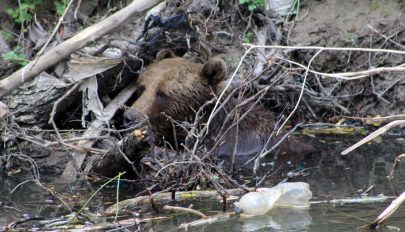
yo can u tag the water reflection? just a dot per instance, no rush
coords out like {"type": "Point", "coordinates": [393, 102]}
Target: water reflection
{"type": "Point", "coordinates": [280, 219]}
{"type": "Point", "coordinates": [329, 175]}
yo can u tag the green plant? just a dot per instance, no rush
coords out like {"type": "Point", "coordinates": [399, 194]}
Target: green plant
{"type": "Point", "coordinates": [253, 4]}
{"type": "Point", "coordinates": [60, 6]}
{"type": "Point", "coordinates": [16, 56]}
{"type": "Point", "coordinates": [7, 36]}
{"type": "Point", "coordinates": [22, 13]}
{"type": "Point", "coordinates": [248, 37]}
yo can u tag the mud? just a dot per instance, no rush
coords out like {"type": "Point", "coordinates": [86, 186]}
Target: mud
{"type": "Point", "coordinates": [338, 23]}
{"type": "Point", "coordinates": [346, 24]}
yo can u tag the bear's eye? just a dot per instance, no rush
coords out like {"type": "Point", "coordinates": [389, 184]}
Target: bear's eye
{"type": "Point", "coordinates": [162, 94]}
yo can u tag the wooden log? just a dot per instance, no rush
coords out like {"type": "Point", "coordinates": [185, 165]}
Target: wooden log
{"type": "Point", "coordinates": [166, 197]}
{"type": "Point", "coordinates": [73, 167]}
{"type": "Point", "coordinates": [126, 155]}
{"type": "Point", "coordinates": [32, 102]}
{"type": "Point", "coordinates": [83, 38]}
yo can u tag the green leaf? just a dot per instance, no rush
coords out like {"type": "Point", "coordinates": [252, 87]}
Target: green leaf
{"type": "Point", "coordinates": [252, 7]}
{"type": "Point", "coordinates": [60, 7]}
{"type": "Point", "coordinates": [10, 11]}
{"type": "Point", "coordinates": [6, 35]}
{"type": "Point", "coordinates": [15, 57]}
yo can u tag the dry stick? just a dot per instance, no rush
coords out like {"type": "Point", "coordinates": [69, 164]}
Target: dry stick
{"type": "Point", "coordinates": [55, 107]}
{"type": "Point", "coordinates": [55, 30]}
{"type": "Point", "coordinates": [386, 214]}
{"type": "Point", "coordinates": [224, 130]}
{"type": "Point", "coordinates": [264, 154]}
{"type": "Point", "coordinates": [252, 46]}
{"type": "Point", "coordinates": [183, 209]}
{"type": "Point", "coordinates": [394, 168]}
{"type": "Point", "coordinates": [385, 37]}
{"type": "Point", "coordinates": [201, 222]}
{"type": "Point", "coordinates": [217, 103]}
{"type": "Point", "coordinates": [301, 93]}
{"type": "Point", "coordinates": [77, 9]}
{"type": "Point", "coordinates": [46, 143]}
{"type": "Point", "coordinates": [328, 48]}
{"type": "Point", "coordinates": [378, 119]}
{"type": "Point", "coordinates": [95, 129]}
{"type": "Point", "coordinates": [373, 135]}
{"type": "Point", "coordinates": [174, 164]}
{"type": "Point", "coordinates": [83, 38]}
{"type": "Point", "coordinates": [346, 75]}
{"type": "Point", "coordinates": [352, 75]}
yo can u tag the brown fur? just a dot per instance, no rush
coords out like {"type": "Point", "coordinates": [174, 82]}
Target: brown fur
{"type": "Point", "coordinates": [177, 87]}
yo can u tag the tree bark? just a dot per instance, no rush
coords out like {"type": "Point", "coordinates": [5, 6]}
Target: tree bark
{"type": "Point", "coordinates": [83, 38]}
{"type": "Point", "coordinates": [94, 129]}
{"type": "Point", "coordinates": [126, 155]}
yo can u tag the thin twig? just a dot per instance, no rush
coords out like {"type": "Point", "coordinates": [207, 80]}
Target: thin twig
{"type": "Point", "coordinates": [373, 135]}
{"type": "Point", "coordinates": [387, 38]}
{"type": "Point", "coordinates": [187, 210]}
{"type": "Point", "coordinates": [54, 30]}
{"type": "Point", "coordinates": [301, 93]}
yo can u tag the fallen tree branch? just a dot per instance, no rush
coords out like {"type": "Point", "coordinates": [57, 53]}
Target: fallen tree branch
{"type": "Point", "coordinates": [301, 93]}
{"type": "Point", "coordinates": [95, 129]}
{"type": "Point", "coordinates": [373, 135]}
{"type": "Point", "coordinates": [55, 29]}
{"type": "Point", "coordinates": [205, 221]}
{"type": "Point", "coordinates": [388, 212]}
{"type": "Point", "coordinates": [187, 210]}
{"type": "Point", "coordinates": [353, 49]}
{"type": "Point", "coordinates": [125, 155]}
{"type": "Point", "coordinates": [167, 197]}
{"type": "Point", "coordinates": [351, 75]}
{"type": "Point", "coordinates": [61, 51]}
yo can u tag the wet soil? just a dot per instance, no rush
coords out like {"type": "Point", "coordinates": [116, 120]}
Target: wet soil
{"type": "Point", "coordinates": [347, 24]}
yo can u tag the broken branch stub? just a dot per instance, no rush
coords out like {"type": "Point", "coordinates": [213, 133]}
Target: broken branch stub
{"type": "Point", "coordinates": [71, 170]}
{"type": "Point", "coordinates": [61, 51]}
{"type": "Point", "coordinates": [125, 155]}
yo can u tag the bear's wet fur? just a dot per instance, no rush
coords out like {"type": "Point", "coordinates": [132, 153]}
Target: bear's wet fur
{"type": "Point", "coordinates": [176, 88]}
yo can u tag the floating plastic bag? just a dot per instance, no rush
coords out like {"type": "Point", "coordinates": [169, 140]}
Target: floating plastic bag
{"type": "Point", "coordinates": [258, 203]}
{"type": "Point", "coordinates": [291, 194]}
{"type": "Point", "coordinates": [294, 194]}
{"type": "Point", "coordinates": [281, 7]}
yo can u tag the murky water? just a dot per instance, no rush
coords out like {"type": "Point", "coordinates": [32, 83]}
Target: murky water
{"type": "Point", "coordinates": [329, 175]}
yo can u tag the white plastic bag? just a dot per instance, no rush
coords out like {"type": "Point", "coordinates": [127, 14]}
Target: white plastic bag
{"type": "Point", "coordinates": [294, 194]}
{"type": "Point", "coordinates": [280, 7]}
{"type": "Point", "coordinates": [290, 194]}
{"type": "Point", "coordinates": [258, 203]}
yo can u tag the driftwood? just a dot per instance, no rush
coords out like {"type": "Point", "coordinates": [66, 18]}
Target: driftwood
{"type": "Point", "coordinates": [125, 155]}
{"type": "Point", "coordinates": [94, 129]}
{"type": "Point", "coordinates": [167, 197]}
{"type": "Point", "coordinates": [63, 50]}
{"type": "Point", "coordinates": [32, 102]}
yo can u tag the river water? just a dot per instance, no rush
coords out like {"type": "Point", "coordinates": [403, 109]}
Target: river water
{"type": "Point", "coordinates": [330, 176]}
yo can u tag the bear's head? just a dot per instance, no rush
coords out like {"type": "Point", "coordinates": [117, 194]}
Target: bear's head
{"type": "Point", "coordinates": [174, 87]}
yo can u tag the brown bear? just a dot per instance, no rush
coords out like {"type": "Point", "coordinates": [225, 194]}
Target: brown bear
{"type": "Point", "coordinates": [176, 88]}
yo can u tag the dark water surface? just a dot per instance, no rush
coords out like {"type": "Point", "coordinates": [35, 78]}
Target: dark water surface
{"type": "Point", "coordinates": [330, 176]}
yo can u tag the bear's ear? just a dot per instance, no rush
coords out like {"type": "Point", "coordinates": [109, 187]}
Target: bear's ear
{"type": "Point", "coordinates": [214, 71]}
{"type": "Point", "coordinates": [165, 54]}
